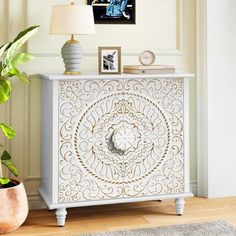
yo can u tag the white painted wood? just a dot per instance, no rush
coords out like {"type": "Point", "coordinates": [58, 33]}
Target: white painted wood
{"type": "Point", "coordinates": [179, 206]}
{"type": "Point", "coordinates": [3, 17]}
{"type": "Point", "coordinates": [202, 104]}
{"type": "Point", "coordinates": [49, 140]}
{"type": "Point", "coordinates": [90, 76]}
{"type": "Point", "coordinates": [81, 166]}
{"type": "Point", "coordinates": [47, 160]}
{"type": "Point", "coordinates": [32, 159]}
{"type": "Point", "coordinates": [61, 216]}
{"type": "Point", "coordinates": [114, 201]}
{"type": "Point", "coordinates": [186, 136]}
{"type": "Point", "coordinates": [194, 187]}
{"type": "Point", "coordinates": [216, 83]}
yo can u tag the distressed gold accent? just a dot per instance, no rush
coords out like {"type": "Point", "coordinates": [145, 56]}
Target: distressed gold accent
{"type": "Point", "coordinates": [91, 167]}
{"type": "Point", "coordinates": [72, 73]}
{"type": "Point", "coordinates": [72, 40]}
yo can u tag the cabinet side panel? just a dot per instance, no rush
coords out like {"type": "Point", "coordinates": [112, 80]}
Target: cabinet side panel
{"type": "Point", "coordinates": [186, 136]}
{"type": "Point", "coordinates": [47, 141]}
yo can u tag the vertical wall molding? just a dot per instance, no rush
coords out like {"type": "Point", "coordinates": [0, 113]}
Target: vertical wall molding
{"type": "Point", "coordinates": [202, 103]}
{"type": "Point", "coordinates": [17, 22]}
{"type": "Point", "coordinates": [9, 19]}
{"type": "Point", "coordinates": [179, 26]}
{"type": "Point", "coordinates": [27, 162]}
{"type": "Point", "coordinates": [26, 131]}
{"type": "Point", "coordinates": [8, 105]}
{"type": "Point", "coordinates": [27, 112]}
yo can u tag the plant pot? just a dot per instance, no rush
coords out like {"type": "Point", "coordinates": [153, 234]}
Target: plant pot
{"type": "Point", "coordinates": [13, 207]}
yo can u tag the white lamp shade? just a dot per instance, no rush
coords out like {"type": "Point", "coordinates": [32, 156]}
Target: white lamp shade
{"type": "Point", "coordinates": [72, 19]}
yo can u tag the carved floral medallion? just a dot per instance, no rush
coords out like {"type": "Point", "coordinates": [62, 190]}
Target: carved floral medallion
{"type": "Point", "coordinates": [120, 138]}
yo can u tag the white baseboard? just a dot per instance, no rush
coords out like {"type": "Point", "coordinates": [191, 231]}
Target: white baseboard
{"type": "Point", "coordinates": [36, 202]}
{"type": "Point", "coordinates": [193, 187]}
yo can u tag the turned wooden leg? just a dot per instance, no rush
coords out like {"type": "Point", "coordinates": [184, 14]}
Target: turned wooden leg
{"type": "Point", "coordinates": [61, 216]}
{"type": "Point", "coordinates": [179, 206]}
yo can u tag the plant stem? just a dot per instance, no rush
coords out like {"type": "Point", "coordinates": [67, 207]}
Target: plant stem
{"type": "Point", "coordinates": [1, 170]}
{"type": "Point", "coordinates": [1, 174]}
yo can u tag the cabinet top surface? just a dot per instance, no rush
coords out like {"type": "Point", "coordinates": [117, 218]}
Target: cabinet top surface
{"type": "Point", "coordinates": [121, 76]}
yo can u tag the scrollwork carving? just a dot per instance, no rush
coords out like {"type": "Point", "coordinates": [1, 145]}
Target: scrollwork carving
{"type": "Point", "coordinates": [98, 159]}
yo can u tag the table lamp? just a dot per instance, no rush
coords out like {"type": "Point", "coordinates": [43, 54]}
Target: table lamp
{"type": "Point", "coordinates": [72, 19]}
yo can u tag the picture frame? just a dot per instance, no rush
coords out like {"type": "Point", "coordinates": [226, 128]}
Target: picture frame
{"type": "Point", "coordinates": [113, 11]}
{"type": "Point", "coordinates": [109, 60]}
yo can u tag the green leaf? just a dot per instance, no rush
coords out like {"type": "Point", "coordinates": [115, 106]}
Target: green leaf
{"type": "Point", "coordinates": [9, 54]}
{"type": "Point", "coordinates": [8, 131]}
{"type": "Point", "coordinates": [21, 58]}
{"type": "Point", "coordinates": [5, 156]}
{"type": "Point", "coordinates": [18, 42]}
{"type": "Point", "coordinates": [3, 48]}
{"type": "Point", "coordinates": [5, 90]}
{"type": "Point", "coordinates": [0, 68]}
{"type": "Point", "coordinates": [10, 71]}
{"type": "Point", "coordinates": [6, 160]}
{"type": "Point", "coordinates": [26, 34]}
{"type": "Point", "coordinates": [4, 181]}
{"type": "Point", "coordinates": [23, 77]}
{"type": "Point", "coordinates": [13, 72]}
{"type": "Point", "coordinates": [11, 166]}
{"type": "Point", "coordinates": [5, 71]}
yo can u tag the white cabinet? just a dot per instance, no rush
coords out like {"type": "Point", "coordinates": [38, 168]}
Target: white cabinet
{"type": "Point", "coordinates": [112, 139]}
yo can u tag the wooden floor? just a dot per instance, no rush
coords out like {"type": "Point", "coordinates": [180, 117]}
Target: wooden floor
{"type": "Point", "coordinates": [128, 216]}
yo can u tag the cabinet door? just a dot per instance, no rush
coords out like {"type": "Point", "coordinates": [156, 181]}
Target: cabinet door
{"type": "Point", "coordinates": [154, 159]}
{"type": "Point", "coordinates": [88, 167]}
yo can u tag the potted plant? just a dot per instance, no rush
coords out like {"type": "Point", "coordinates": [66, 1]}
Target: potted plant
{"type": "Point", "coordinates": [13, 199]}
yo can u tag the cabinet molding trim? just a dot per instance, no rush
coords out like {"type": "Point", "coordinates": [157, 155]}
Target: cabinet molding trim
{"type": "Point", "coordinates": [125, 53]}
{"type": "Point", "coordinates": [36, 202]}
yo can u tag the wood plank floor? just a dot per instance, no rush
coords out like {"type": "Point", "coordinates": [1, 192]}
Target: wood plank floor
{"type": "Point", "coordinates": [128, 216]}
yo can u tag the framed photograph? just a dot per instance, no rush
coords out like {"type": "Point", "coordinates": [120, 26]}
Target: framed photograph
{"type": "Point", "coordinates": [109, 60]}
{"type": "Point", "coordinates": [113, 11]}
